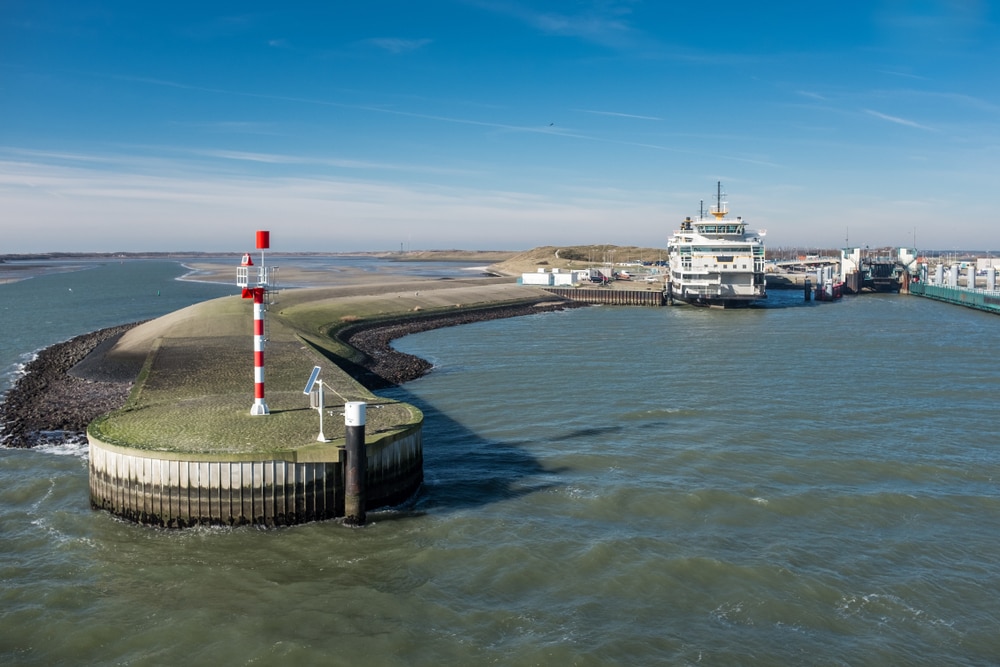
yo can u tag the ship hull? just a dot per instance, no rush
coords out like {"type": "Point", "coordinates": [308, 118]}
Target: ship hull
{"type": "Point", "coordinates": [722, 303]}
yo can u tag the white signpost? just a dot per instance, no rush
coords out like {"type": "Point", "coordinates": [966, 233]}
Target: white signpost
{"type": "Point", "coordinates": [314, 388]}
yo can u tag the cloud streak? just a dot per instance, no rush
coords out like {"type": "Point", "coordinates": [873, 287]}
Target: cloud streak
{"type": "Point", "coordinates": [101, 209]}
{"type": "Point", "coordinates": [603, 23]}
{"type": "Point", "coordinates": [396, 46]}
{"type": "Point", "coordinates": [897, 120]}
{"type": "Point", "coordinates": [619, 114]}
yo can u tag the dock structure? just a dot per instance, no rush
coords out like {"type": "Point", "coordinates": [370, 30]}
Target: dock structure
{"type": "Point", "coordinates": [611, 297]}
{"type": "Point", "coordinates": [178, 491]}
{"type": "Point", "coordinates": [979, 299]}
{"type": "Point", "coordinates": [184, 450]}
{"type": "Point", "coordinates": [946, 285]}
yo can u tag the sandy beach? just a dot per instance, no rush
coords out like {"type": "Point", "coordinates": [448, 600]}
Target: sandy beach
{"type": "Point", "coordinates": [328, 276]}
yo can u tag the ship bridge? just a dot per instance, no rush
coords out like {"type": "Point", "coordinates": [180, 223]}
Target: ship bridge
{"type": "Point", "coordinates": [721, 226]}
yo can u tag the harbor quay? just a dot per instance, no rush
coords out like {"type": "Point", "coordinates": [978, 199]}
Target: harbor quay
{"type": "Point", "coordinates": [178, 491]}
{"type": "Point", "coordinates": [970, 282]}
{"type": "Point", "coordinates": [970, 297]}
{"type": "Point", "coordinates": [186, 450]}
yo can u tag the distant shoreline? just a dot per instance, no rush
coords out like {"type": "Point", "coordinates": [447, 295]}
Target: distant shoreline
{"type": "Point", "coordinates": [204, 267]}
{"type": "Point", "coordinates": [484, 256]}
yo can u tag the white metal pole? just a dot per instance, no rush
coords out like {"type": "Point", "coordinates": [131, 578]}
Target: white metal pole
{"type": "Point", "coordinates": [322, 404]}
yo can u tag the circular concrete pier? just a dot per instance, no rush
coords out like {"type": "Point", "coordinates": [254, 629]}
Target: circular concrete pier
{"type": "Point", "coordinates": [178, 491]}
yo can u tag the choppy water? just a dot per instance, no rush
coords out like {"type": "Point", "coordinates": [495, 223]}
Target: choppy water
{"type": "Point", "coordinates": [792, 485]}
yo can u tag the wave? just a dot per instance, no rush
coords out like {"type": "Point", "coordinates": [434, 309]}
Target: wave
{"type": "Point", "coordinates": [62, 443]}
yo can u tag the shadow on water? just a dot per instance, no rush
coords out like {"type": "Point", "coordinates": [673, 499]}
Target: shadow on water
{"type": "Point", "coordinates": [787, 299]}
{"type": "Point", "coordinates": [463, 470]}
{"type": "Point", "coordinates": [586, 433]}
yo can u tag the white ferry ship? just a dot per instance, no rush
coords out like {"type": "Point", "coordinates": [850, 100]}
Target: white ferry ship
{"type": "Point", "coordinates": [716, 261]}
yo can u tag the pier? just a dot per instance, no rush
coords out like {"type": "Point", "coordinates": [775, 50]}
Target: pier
{"type": "Point", "coordinates": [610, 296]}
{"type": "Point", "coordinates": [170, 490]}
{"type": "Point", "coordinates": [185, 450]}
{"type": "Point", "coordinates": [945, 284]}
{"type": "Point", "coordinates": [979, 299]}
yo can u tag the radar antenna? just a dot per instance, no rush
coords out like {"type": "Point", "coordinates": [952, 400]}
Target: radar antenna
{"type": "Point", "coordinates": [719, 210]}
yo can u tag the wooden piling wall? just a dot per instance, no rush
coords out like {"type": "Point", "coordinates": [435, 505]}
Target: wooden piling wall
{"type": "Point", "coordinates": [177, 492]}
{"type": "Point", "coordinates": [610, 297]}
{"type": "Point", "coordinates": [395, 469]}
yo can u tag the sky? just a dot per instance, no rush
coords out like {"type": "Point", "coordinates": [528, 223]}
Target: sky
{"type": "Point", "coordinates": [378, 125]}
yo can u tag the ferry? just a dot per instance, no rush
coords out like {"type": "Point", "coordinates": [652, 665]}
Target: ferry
{"type": "Point", "coordinates": [715, 261]}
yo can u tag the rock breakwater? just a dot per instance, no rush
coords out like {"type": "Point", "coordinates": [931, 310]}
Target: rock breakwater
{"type": "Point", "coordinates": [386, 366]}
{"type": "Point", "coordinates": [49, 403]}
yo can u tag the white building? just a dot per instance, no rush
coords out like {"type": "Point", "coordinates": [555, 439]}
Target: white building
{"type": "Point", "coordinates": [557, 277]}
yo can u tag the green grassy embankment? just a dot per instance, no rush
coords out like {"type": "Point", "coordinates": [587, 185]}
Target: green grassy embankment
{"type": "Point", "coordinates": [193, 395]}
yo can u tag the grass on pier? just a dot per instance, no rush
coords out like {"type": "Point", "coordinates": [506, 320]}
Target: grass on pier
{"type": "Point", "coordinates": [194, 393]}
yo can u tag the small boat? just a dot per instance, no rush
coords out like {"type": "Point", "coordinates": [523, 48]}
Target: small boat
{"type": "Point", "coordinates": [830, 291]}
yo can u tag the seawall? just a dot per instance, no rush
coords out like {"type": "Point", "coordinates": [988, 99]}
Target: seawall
{"type": "Point", "coordinates": [610, 297]}
{"type": "Point", "coordinates": [177, 491]}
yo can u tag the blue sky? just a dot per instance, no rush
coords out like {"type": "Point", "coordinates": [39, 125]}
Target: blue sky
{"type": "Point", "coordinates": [494, 124]}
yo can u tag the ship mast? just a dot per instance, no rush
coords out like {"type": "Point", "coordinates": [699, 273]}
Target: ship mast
{"type": "Point", "coordinates": [719, 210]}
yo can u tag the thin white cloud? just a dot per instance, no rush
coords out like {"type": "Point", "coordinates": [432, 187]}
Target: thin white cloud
{"type": "Point", "coordinates": [601, 23]}
{"type": "Point", "coordinates": [231, 127]}
{"type": "Point", "coordinates": [81, 209]}
{"type": "Point", "coordinates": [897, 120]}
{"type": "Point", "coordinates": [618, 114]}
{"type": "Point", "coordinates": [340, 163]}
{"type": "Point", "coordinates": [960, 100]}
{"type": "Point", "coordinates": [395, 46]}
{"type": "Point", "coordinates": [813, 96]}
{"type": "Point", "coordinates": [905, 75]}
{"type": "Point", "coordinates": [58, 156]}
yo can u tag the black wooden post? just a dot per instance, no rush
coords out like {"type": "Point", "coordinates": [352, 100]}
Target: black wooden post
{"type": "Point", "coordinates": [356, 463]}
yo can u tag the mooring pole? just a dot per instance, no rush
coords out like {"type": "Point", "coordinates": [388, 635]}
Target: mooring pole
{"type": "Point", "coordinates": [356, 463]}
{"type": "Point", "coordinates": [808, 290]}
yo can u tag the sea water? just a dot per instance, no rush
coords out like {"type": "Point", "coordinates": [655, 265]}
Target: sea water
{"type": "Point", "coordinates": [796, 484]}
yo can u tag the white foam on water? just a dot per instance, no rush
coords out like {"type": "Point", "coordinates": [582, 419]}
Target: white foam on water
{"type": "Point", "coordinates": [59, 443]}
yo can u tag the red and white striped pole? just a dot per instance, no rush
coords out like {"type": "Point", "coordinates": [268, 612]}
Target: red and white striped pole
{"type": "Point", "coordinates": [259, 405]}
{"type": "Point", "coordinates": [259, 294]}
